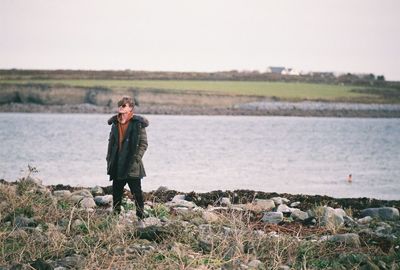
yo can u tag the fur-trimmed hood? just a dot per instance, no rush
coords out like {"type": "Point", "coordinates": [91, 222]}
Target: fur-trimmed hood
{"type": "Point", "coordinates": [141, 119]}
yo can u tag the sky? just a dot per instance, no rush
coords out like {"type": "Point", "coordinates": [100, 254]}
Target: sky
{"type": "Point", "coordinates": [357, 36]}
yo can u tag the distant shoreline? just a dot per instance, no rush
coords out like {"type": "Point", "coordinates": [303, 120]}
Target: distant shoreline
{"type": "Point", "coordinates": [267, 108]}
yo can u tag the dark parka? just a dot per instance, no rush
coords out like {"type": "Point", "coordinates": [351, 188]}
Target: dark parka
{"type": "Point", "coordinates": [127, 163]}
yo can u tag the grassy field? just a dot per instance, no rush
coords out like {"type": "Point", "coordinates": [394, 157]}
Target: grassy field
{"type": "Point", "coordinates": [279, 90]}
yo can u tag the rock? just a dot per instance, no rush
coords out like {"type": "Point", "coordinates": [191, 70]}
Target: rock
{"type": "Point", "coordinates": [284, 209]}
{"type": "Point", "coordinates": [349, 239]}
{"type": "Point", "coordinates": [23, 222]}
{"type": "Point", "coordinates": [62, 194]}
{"type": "Point", "coordinates": [77, 223]}
{"type": "Point", "coordinates": [152, 221]}
{"type": "Point", "coordinates": [162, 189]}
{"type": "Point", "coordinates": [205, 245]}
{"type": "Point", "coordinates": [299, 215]}
{"type": "Point", "coordinates": [383, 213]}
{"type": "Point", "coordinates": [41, 264]}
{"type": "Point", "coordinates": [153, 233]}
{"type": "Point", "coordinates": [97, 191]}
{"type": "Point", "coordinates": [178, 197]}
{"type": "Point", "coordinates": [75, 198]}
{"type": "Point", "coordinates": [365, 220]}
{"type": "Point", "coordinates": [349, 222]}
{"type": "Point", "coordinates": [210, 217]}
{"type": "Point", "coordinates": [331, 218]}
{"type": "Point", "coordinates": [83, 193]}
{"type": "Point", "coordinates": [294, 204]}
{"type": "Point", "coordinates": [283, 267]}
{"type": "Point", "coordinates": [105, 200]}
{"type": "Point", "coordinates": [180, 203]}
{"type": "Point", "coordinates": [34, 180]}
{"type": "Point", "coordinates": [256, 264]}
{"type": "Point", "coordinates": [181, 210]}
{"type": "Point", "coordinates": [225, 201]}
{"type": "Point", "coordinates": [383, 228]}
{"type": "Point", "coordinates": [272, 217]}
{"type": "Point", "coordinates": [72, 262]}
{"type": "Point", "coordinates": [280, 200]}
{"type": "Point", "coordinates": [87, 203]}
{"type": "Point", "coordinates": [264, 205]}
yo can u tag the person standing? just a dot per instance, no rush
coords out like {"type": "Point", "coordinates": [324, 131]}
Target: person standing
{"type": "Point", "coordinates": [127, 144]}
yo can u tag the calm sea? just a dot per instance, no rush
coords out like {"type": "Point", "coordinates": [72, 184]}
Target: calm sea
{"type": "Point", "coordinates": [204, 153]}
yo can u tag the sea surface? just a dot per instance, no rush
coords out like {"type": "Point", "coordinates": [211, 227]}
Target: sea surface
{"type": "Point", "coordinates": [204, 153]}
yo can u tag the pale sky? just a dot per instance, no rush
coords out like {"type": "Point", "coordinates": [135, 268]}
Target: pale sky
{"type": "Point", "coordinates": [358, 36]}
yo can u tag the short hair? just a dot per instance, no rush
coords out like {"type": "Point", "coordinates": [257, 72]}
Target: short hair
{"type": "Point", "coordinates": [126, 100]}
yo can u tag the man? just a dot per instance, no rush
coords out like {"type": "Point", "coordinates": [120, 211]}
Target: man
{"type": "Point", "coordinates": [126, 146]}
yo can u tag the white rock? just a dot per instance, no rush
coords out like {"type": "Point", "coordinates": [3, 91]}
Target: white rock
{"type": "Point", "coordinates": [87, 203]}
{"type": "Point", "coordinates": [294, 204]}
{"type": "Point", "coordinates": [178, 198]}
{"type": "Point", "coordinates": [225, 201]}
{"type": "Point", "coordinates": [331, 218]}
{"type": "Point", "coordinates": [297, 214]}
{"type": "Point", "coordinates": [264, 204]}
{"type": "Point", "coordinates": [272, 217]}
{"type": "Point", "coordinates": [105, 200]}
{"type": "Point", "coordinates": [83, 193]}
{"type": "Point", "coordinates": [97, 191]}
{"type": "Point", "coordinates": [152, 221]}
{"type": "Point", "coordinates": [284, 208]}
{"type": "Point", "coordinates": [62, 194]}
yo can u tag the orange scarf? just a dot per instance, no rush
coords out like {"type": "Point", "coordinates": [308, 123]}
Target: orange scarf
{"type": "Point", "coordinates": [122, 127]}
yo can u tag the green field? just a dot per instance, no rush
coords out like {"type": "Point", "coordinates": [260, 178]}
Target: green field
{"type": "Point", "coordinates": [281, 90]}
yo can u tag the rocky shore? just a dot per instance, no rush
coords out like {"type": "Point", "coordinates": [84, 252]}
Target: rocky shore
{"type": "Point", "coordinates": [266, 108]}
{"type": "Point", "coordinates": [62, 227]}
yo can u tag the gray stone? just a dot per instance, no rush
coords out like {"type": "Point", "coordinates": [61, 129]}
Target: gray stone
{"type": "Point", "coordinates": [299, 215]}
{"type": "Point", "coordinates": [75, 198]}
{"type": "Point", "coordinates": [97, 191]}
{"type": "Point", "coordinates": [178, 197]}
{"type": "Point", "coordinates": [365, 220]}
{"type": "Point", "coordinates": [264, 204]}
{"type": "Point", "coordinates": [181, 210]}
{"type": "Point", "coordinates": [83, 193]}
{"type": "Point", "coordinates": [62, 194]}
{"type": "Point", "coordinates": [349, 239]}
{"type": "Point", "coordinates": [176, 202]}
{"type": "Point", "coordinates": [331, 218]}
{"type": "Point", "coordinates": [280, 200]}
{"type": "Point", "coordinates": [87, 203]}
{"type": "Point", "coordinates": [152, 221]}
{"type": "Point", "coordinates": [23, 222]}
{"type": "Point", "coordinates": [294, 204]}
{"type": "Point", "coordinates": [105, 200]}
{"type": "Point", "coordinates": [349, 222]}
{"type": "Point", "coordinates": [383, 228]}
{"type": "Point", "coordinates": [272, 217]}
{"type": "Point", "coordinates": [284, 208]}
{"type": "Point", "coordinates": [383, 213]}
{"type": "Point", "coordinates": [225, 201]}
{"type": "Point", "coordinates": [283, 267]}
{"type": "Point", "coordinates": [72, 262]}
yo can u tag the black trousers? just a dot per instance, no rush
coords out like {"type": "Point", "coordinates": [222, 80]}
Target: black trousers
{"type": "Point", "coordinates": [135, 185]}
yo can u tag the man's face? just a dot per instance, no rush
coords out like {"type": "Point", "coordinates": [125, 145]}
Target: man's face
{"type": "Point", "coordinates": [124, 108]}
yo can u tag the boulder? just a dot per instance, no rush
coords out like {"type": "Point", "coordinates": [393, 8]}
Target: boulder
{"type": "Point", "coordinates": [365, 220]}
{"type": "Point", "coordinates": [62, 194]}
{"type": "Point", "coordinates": [272, 217]}
{"type": "Point", "coordinates": [87, 203]}
{"type": "Point", "coordinates": [280, 200]}
{"type": "Point", "coordinates": [284, 208]}
{"type": "Point", "coordinates": [299, 215]}
{"type": "Point", "coordinates": [383, 213]}
{"type": "Point", "coordinates": [97, 191]}
{"type": "Point", "coordinates": [264, 205]}
{"type": "Point", "coordinates": [151, 221]}
{"type": "Point", "coordinates": [349, 239]}
{"type": "Point", "coordinates": [180, 203]}
{"type": "Point", "coordinates": [294, 204]}
{"type": "Point", "coordinates": [225, 201]}
{"type": "Point", "coordinates": [83, 193]}
{"type": "Point", "coordinates": [331, 218]}
{"type": "Point", "coordinates": [105, 200]}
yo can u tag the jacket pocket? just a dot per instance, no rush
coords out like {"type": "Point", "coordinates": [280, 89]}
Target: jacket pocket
{"type": "Point", "coordinates": [135, 169]}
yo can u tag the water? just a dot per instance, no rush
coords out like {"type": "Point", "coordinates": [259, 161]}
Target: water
{"type": "Point", "coordinates": [204, 153]}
